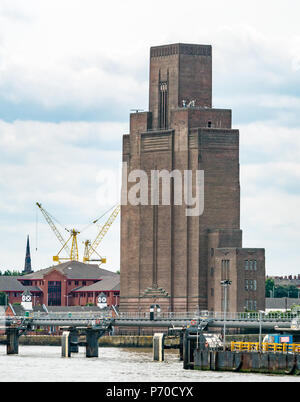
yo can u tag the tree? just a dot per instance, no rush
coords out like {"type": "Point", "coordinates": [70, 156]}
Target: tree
{"type": "Point", "coordinates": [3, 299]}
{"type": "Point", "coordinates": [269, 286]}
{"type": "Point", "coordinates": [280, 290]}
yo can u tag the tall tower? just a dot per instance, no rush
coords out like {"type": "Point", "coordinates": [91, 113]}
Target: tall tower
{"type": "Point", "coordinates": [27, 266]}
{"type": "Point", "coordinates": [168, 257]}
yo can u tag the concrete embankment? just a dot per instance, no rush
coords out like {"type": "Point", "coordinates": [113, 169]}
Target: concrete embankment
{"type": "Point", "coordinates": [247, 362]}
{"type": "Point", "coordinates": [105, 341]}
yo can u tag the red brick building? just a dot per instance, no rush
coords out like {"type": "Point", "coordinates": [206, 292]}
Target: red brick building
{"type": "Point", "coordinates": [176, 260]}
{"type": "Point", "coordinates": [61, 285]}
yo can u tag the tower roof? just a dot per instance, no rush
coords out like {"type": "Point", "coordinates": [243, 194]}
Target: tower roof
{"type": "Point", "coordinates": [27, 266]}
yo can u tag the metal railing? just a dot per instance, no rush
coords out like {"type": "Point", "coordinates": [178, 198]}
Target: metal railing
{"type": "Point", "coordinates": [243, 316]}
{"type": "Point", "coordinates": [265, 347]}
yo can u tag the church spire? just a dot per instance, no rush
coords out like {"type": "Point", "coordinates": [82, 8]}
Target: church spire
{"type": "Point", "coordinates": [27, 267]}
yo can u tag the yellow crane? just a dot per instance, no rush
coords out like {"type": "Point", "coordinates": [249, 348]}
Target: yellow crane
{"type": "Point", "coordinates": [90, 248]}
{"type": "Point", "coordinates": [72, 252]}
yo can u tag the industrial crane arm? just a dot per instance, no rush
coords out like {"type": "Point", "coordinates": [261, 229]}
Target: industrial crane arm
{"type": "Point", "coordinates": [103, 231]}
{"type": "Point", "coordinates": [55, 230]}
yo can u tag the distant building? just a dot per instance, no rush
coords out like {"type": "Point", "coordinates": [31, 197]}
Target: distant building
{"type": "Point", "coordinates": [280, 304]}
{"type": "Point", "coordinates": [286, 280]}
{"type": "Point", "coordinates": [69, 284]}
{"type": "Point", "coordinates": [13, 288]}
{"type": "Point", "coordinates": [167, 257]}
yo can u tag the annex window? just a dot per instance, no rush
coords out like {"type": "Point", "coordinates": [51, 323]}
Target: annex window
{"type": "Point", "coordinates": [225, 269]}
{"type": "Point", "coordinates": [54, 293]}
{"type": "Point", "coordinates": [163, 104]}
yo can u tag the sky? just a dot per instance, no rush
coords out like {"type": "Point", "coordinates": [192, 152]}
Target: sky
{"type": "Point", "coordinates": [71, 71]}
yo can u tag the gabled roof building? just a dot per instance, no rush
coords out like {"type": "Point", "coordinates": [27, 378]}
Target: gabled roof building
{"type": "Point", "coordinates": [66, 284]}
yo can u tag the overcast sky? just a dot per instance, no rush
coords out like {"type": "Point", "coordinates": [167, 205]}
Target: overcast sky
{"type": "Point", "coordinates": [71, 70]}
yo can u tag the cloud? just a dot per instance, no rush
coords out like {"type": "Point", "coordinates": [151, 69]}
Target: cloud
{"type": "Point", "coordinates": [58, 165]}
{"type": "Point", "coordinates": [270, 193]}
{"type": "Point", "coordinates": [71, 71]}
{"type": "Point", "coordinates": [77, 63]}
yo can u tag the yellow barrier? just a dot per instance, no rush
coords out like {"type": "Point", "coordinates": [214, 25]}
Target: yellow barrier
{"type": "Point", "coordinates": [265, 347]}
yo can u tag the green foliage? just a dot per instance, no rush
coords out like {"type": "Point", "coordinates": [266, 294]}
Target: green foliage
{"type": "Point", "coordinates": [11, 273]}
{"type": "Point", "coordinates": [3, 299]}
{"type": "Point", "coordinates": [279, 291]}
{"type": "Point", "coordinates": [269, 286]}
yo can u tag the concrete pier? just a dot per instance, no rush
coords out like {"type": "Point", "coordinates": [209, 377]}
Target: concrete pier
{"type": "Point", "coordinates": [74, 341]}
{"type": "Point", "coordinates": [65, 344]}
{"type": "Point", "coordinates": [158, 347]}
{"type": "Point", "coordinates": [92, 337]}
{"type": "Point", "coordinates": [12, 342]}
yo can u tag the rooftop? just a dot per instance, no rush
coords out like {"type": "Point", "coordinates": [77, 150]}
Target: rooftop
{"type": "Point", "coordinates": [108, 283]}
{"type": "Point", "coordinates": [72, 270]}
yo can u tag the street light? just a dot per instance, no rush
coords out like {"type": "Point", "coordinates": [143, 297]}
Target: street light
{"type": "Point", "coordinates": [225, 283]}
{"type": "Point", "coordinates": [260, 315]}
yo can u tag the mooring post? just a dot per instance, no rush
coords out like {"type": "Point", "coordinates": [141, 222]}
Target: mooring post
{"type": "Point", "coordinates": [92, 343]}
{"type": "Point", "coordinates": [158, 347]}
{"type": "Point", "coordinates": [74, 341]}
{"type": "Point", "coordinates": [66, 344]}
{"type": "Point", "coordinates": [181, 345]}
{"type": "Point", "coordinates": [12, 341]}
{"type": "Point", "coordinates": [187, 352]}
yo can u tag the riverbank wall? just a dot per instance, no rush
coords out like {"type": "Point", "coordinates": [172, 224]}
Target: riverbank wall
{"type": "Point", "coordinates": [105, 341]}
{"type": "Point", "coordinates": [246, 362]}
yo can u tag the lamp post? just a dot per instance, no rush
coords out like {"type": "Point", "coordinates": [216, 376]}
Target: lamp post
{"type": "Point", "coordinates": [225, 284]}
{"type": "Point", "coordinates": [260, 316]}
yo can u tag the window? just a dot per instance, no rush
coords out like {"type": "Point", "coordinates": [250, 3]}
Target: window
{"type": "Point", "coordinates": [246, 265]}
{"type": "Point", "coordinates": [211, 271]}
{"type": "Point", "coordinates": [246, 285]}
{"type": "Point", "coordinates": [254, 285]}
{"type": "Point", "coordinates": [254, 265]}
{"type": "Point", "coordinates": [212, 292]}
{"type": "Point", "coordinates": [163, 102]}
{"type": "Point", "coordinates": [250, 265]}
{"type": "Point", "coordinates": [54, 293]}
{"type": "Point", "coordinates": [76, 283]}
{"type": "Point", "coordinates": [251, 305]}
{"type": "Point", "coordinates": [225, 269]}
{"type": "Point", "coordinates": [83, 283]}
{"type": "Point", "coordinates": [209, 124]}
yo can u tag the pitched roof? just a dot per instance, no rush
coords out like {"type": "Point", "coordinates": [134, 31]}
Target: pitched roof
{"type": "Point", "coordinates": [72, 270]}
{"type": "Point", "coordinates": [70, 309]}
{"type": "Point", "coordinates": [10, 283]}
{"type": "Point", "coordinates": [108, 283]}
{"type": "Point", "coordinates": [19, 310]}
{"type": "Point", "coordinates": [281, 303]}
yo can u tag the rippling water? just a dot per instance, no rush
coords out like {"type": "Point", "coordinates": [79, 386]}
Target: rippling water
{"type": "Point", "coordinates": [44, 363]}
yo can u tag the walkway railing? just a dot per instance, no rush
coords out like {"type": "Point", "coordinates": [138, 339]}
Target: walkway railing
{"type": "Point", "coordinates": [244, 316]}
{"type": "Point", "coordinates": [265, 347]}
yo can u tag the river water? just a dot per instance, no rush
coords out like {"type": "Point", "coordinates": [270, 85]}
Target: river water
{"type": "Point", "coordinates": [44, 363]}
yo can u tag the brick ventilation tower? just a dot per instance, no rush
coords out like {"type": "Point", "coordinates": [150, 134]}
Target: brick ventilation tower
{"type": "Point", "coordinates": [168, 258]}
